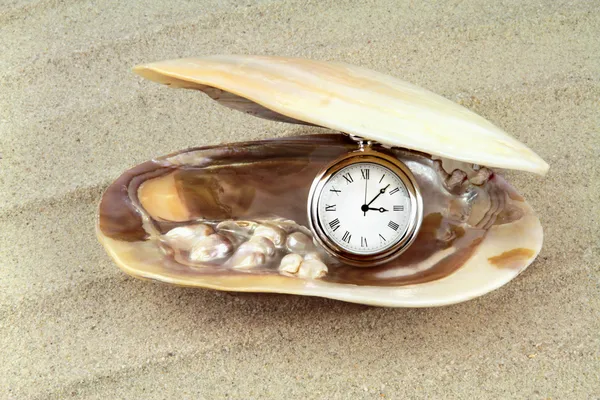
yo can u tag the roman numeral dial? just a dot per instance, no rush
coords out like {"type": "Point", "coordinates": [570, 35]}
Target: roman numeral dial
{"type": "Point", "coordinates": [364, 208]}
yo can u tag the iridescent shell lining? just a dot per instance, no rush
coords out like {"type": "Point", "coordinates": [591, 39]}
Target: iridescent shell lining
{"type": "Point", "coordinates": [234, 217]}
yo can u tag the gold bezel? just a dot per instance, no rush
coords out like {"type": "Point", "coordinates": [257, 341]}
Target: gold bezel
{"type": "Point", "coordinates": [366, 154]}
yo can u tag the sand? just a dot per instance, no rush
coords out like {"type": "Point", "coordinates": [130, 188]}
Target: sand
{"type": "Point", "coordinates": [73, 117]}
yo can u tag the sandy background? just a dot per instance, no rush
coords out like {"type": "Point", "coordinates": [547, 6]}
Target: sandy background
{"type": "Point", "coordinates": [73, 117]}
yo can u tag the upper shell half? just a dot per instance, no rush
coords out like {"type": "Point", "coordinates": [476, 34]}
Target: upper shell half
{"type": "Point", "coordinates": [349, 99]}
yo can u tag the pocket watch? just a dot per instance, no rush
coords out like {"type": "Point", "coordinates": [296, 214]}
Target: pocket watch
{"type": "Point", "coordinates": [365, 207]}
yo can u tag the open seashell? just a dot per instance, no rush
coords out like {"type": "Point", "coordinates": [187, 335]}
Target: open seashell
{"type": "Point", "coordinates": [249, 199]}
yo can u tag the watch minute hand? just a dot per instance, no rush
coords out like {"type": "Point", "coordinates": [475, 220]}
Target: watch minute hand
{"type": "Point", "coordinates": [381, 191]}
{"type": "Point", "coordinates": [365, 211]}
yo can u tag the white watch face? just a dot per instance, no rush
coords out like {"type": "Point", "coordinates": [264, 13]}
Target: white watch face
{"type": "Point", "coordinates": [364, 208]}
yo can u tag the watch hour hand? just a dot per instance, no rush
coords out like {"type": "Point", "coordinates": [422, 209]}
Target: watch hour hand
{"type": "Point", "coordinates": [380, 209]}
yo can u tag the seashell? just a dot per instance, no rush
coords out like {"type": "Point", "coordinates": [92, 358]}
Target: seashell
{"type": "Point", "coordinates": [477, 232]}
{"type": "Point", "coordinates": [274, 234]}
{"type": "Point", "coordinates": [290, 263]}
{"type": "Point", "coordinates": [184, 237]}
{"type": "Point", "coordinates": [211, 248]}
{"type": "Point", "coordinates": [241, 228]}
{"type": "Point", "coordinates": [309, 267]}
{"type": "Point", "coordinates": [262, 244]}
{"type": "Point", "coordinates": [313, 269]}
{"type": "Point", "coordinates": [248, 255]}
{"type": "Point", "coordinates": [299, 243]}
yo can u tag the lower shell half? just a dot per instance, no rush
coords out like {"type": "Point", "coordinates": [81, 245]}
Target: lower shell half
{"type": "Point", "coordinates": [234, 217]}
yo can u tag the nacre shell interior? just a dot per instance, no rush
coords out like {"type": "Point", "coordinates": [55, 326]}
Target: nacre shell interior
{"type": "Point", "coordinates": [234, 217]}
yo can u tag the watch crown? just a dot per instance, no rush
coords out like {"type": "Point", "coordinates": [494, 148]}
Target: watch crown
{"type": "Point", "coordinates": [362, 142]}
